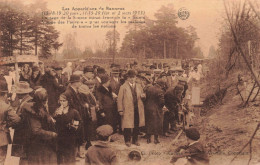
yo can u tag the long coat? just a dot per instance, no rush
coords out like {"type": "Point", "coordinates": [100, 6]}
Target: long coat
{"type": "Point", "coordinates": [4, 131]}
{"type": "Point", "coordinates": [115, 86]}
{"type": "Point", "coordinates": [21, 132]}
{"type": "Point", "coordinates": [125, 104]}
{"type": "Point", "coordinates": [42, 145]}
{"type": "Point", "coordinates": [67, 136]}
{"type": "Point", "coordinates": [54, 89]}
{"type": "Point", "coordinates": [153, 110]}
{"type": "Point", "coordinates": [77, 102]}
{"type": "Point", "coordinates": [108, 106]}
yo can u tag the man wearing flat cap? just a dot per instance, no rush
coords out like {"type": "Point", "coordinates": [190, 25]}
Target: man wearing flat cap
{"type": "Point", "coordinates": [101, 152]}
{"type": "Point", "coordinates": [131, 108]}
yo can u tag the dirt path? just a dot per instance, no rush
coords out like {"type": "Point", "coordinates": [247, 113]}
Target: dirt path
{"type": "Point", "coordinates": [224, 130]}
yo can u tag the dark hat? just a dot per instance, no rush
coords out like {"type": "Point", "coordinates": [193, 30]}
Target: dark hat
{"type": "Point", "coordinates": [74, 78]}
{"type": "Point", "coordinates": [23, 87]}
{"type": "Point", "coordinates": [148, 72]}
{"type": "Point", "coordinates": [134, 155]}
{"type": "Point", "coordinates": [104, 78]}
{"type": "Point", "coordinates": [131, 73]}
{"type": "Point", "coordinates": [57, 68]}
{"type": "Point", "coordinates": [35, 68]}
{"type": "Point", "coordinates": [115, 70]}
{"type": "Point", "coordinates": [3, 86]}
{"type": "Point", "coordinates": [152, 67]}
{"type": "Point", "coordinates": [114, 66]}
{"type": "Point", "coordinates": [165, 65]}
{"type": "Point", "coordinates": [141, 71]}
{"type": "Point", "coordinates": [88, 69]}
{"type": "Point", "coordinates": [192, 133]}
{"type": "Point", "coordinates": [90, 83]}
{"type": "Point", "coordinates": [101, 70]}
{"type": "Point", "coordinates": [95, 66]}
{"type": "Point", "coordinates": [104, 130]}
{"type": "Point", "coordinates": [135, 63]}
{"type": "Point", "coordinates": [163, 74]}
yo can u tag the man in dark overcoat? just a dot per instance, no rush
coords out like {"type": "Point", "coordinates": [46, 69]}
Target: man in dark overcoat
{"type": "Point", "coordinates": [172, 102]}
{"type": "Point", "coordinates": [154, 103]}
{"type": "Point", "coordinates": [76, 102]}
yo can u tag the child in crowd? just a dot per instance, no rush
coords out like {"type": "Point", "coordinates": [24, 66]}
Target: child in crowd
{"type": "Point", "coordinates": [101, 152]}
{"type": "Point", "coordinates": [194, 152]}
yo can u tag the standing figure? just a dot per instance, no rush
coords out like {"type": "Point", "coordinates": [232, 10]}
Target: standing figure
{"type": "Point", "coordinates": [154, 103]}
{"type": "Point", "coordinates": [25, 73]}
{"type": "Point", "coordinates": [107, 103]}
{"type": "Point", "coordinates": [21, 129]}
{"type": "Point", "coordinates": [68, 122]}
{"type": "Point", "coordinates": [53, 88]}
{"type": "Point", "coordinates": [42, 140]}
{"type": "Point", "coordinates": [131, 108]}
{"type": "Point", "coordinates": [5, 108]}
{"type": "Point", "coordinates": [36, 77]}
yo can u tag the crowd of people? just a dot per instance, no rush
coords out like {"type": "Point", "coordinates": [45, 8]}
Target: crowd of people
{"type": "Point", "coordinates": [55, 111]}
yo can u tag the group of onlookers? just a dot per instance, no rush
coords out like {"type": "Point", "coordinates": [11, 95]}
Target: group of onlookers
{"type": "Point", "coordinates": [55, 111]}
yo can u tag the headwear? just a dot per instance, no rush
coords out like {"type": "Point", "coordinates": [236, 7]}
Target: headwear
{"type": "Point", "coordinates": [35, 68]}
{"type": "Point", "coordinates": [82, 60]}
{"type": "Point", "coordinates": [115, 70]}
{"type": "Point", "coordinates": [134, 155]}
{"type": "Point", "coordinates": [23, 87]}
{"type": "Point", "coordinates": [74, 78]}
{"type": "Point", "coordinates": [163, 74]}
{"type": "Point", "coordinates": [192, 133]}
{"type": "Point", "coordinates": [165, 65]}
{"type": "Point", "coordinates": [104, 78]}
{"type": "Point", "coordinates": [152, 67]}
{"type": "Point", "coordinates": [179, 69]}
{"type": "Point", "coordinates": [95, 66]}
{"type": "Point", "coordinates": [90, 83]}
{"type": "Point", "coordinates": [157, 71]}
{"type": "Point", "coordinates": [40, 95]}
{"type": "Point", "coordinates": [172, 69]}
{"type": "Point", "coordinates": [84, 89]}
{"type": "Point", "coordinates": [104, 130]}
{"type": "Point", "coordinates": [101, 70]}
{"type": "Point", "coordinates": [148, 73]}
{"type": "Point", "coordinates": [88, 69]}
{"type": "Point", "coordinates": [131, 73]}
{"type": "Point", "coordinates": [3, 86]}
{"type": "Point", "coordinates": [57, 68]}
{"type": "Point", "coordinates": [144, 78]}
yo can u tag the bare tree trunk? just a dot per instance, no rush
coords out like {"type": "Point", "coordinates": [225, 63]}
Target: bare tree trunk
{"type": "Point", "coordinates": [239, 47]}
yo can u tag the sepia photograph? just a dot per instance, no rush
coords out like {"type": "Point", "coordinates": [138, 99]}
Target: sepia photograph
{"type": "Point", "coordinates": [129, 82]}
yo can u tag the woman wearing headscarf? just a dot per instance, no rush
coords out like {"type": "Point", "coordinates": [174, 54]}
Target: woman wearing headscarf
{"type": "Point", "coordinates": [68, 123]}
{"type": "Point", "coordinates": [42, 142]}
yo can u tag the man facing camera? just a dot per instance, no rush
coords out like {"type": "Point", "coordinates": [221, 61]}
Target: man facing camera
{"type": "Point", "coordinates": [131, 108]}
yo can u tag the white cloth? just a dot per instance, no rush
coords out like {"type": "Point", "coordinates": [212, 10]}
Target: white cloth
{"type": "Point", "coordinates": [99, 80]}
{"type": "Point", "coordinates": [67, 70]}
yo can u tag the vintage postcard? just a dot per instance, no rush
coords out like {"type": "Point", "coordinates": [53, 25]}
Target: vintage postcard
{"type": "Point", "coordinates": [129, 82]}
